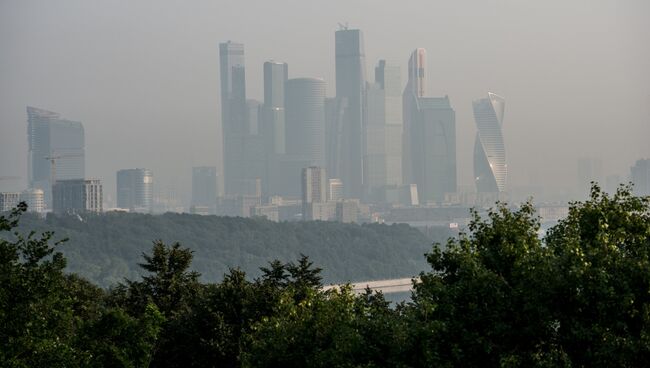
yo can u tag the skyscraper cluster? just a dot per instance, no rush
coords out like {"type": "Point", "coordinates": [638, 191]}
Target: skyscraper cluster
{"type": "Point", "coordinates": [377, 140]}
{"type": "Point", "coordinates": [374, 138]}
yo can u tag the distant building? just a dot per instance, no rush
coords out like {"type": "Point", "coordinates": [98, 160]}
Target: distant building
{"type": "Point", "coordinates": [335, 190]}
{"type": "Point", "coordinates": [415, 89]}
{"type": "Point", "coordinates": [429, 138]}
{"type": "Point", "coordinates": [9, 200]}
{"type": "Point", "coordinates": [305, 119]}
{"type": "Point", "coordinates": [270, 212]}
{"type": "Point", "coordinates": [254, 160]}
{"type": "Point", "coordinates": [347, 211]}
{"type": "Point", "coordinates": [35, 200]}
{"type": "Point", "coordinates": [238, 206]}
{"type": "Point", "coordinates": [612, 182]}
{"type": "Point", "coordinates": [350, 85]}
{"type": "Point", "coordinates": [204, 190]}
{"type": "Point", "coordinates": [135, 190]}
{"type": "Point", "coordinates": [233, 114]}
{"type": "Point", "coordinates": [382, 160]}
{"type": "Point", "coordinates": [334, 120]}
{"type": "Point", "coordinates": [52, 139]}
{"type": "Point", "coordinates": [314, 189]}
{"type": "Point", "coordinates": [77, 195]}
{"type": "Point", "coordinates": [273, 124]}
{"type": "Point", "coordinates": [433, 148]}
{"type": "Point", "coordinates": [275, 78]}
{"type": "Point", "coordinates": [640, 176]}
{"type": "Point", "coordinates": [588, 169]}
{"type": "Point", "coordinates": [490, 168]}
{"type": "Point", "coordinates": [402, 195]}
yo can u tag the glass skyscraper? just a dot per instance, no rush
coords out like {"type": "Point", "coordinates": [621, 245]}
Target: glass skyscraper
{"type": "Point", "coordinates": [204, 189]}
{"type": "Point", "coordinates": [51, 138]}
{"type": "Point", "coordinates": [433, 143]}
{"type": "Point", "coordinates": [415, 88]}
{"type": "Point", "coordinates": [490, 168]}
{"type": "Point", "coordinates": [306, 119]}
{"type": "Point", "coordinates": [351, 84]}
{"type": "Point", "coordinates": [382, 161]}
{"type": "Point", "coordinates": [234, 122]}
{"type": "Point", "coordinates": [273, 124]}
{"type": "Point", "coordinates": [135, 190]}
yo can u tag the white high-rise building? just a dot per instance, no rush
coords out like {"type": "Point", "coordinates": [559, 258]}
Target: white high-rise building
{"type": "Point", "coordinates": [314, 191]}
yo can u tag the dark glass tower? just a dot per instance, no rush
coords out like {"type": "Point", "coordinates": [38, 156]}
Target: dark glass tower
{"type": "Point", "coordinates": [233, 114]}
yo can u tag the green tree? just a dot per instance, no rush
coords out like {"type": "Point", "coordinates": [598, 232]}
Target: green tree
{"type": "Point", "coordinates": [325, 329]}
{"type": "Point", "coordinates": [501, 296]}
{"type": "Point", "coordinates": [36, 315]}
{"type": "Point", "coordinates": [601, 297]}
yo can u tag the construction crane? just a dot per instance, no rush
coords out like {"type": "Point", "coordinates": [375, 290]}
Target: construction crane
{"type": "Point", "coordinates": [53, 159]}
{"type": "Point", "coordinates": [9, 177]}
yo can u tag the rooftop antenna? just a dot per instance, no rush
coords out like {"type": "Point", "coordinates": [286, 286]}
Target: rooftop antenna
{"type": "Point", "coordinates": [343, 26]}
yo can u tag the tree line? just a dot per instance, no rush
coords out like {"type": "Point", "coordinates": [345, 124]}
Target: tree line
{"type": "Point", "coordinates": [106, 248]}
{"type": "Point", "coordinates": [498, 295]}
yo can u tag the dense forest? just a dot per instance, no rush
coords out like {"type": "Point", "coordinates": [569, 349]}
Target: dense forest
{"type": "Point", "coordinates": [106, 248]}
{"type": "Point", "coordinates": [497, 296]}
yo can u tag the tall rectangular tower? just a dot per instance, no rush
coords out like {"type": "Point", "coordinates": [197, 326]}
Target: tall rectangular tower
{"type": "Point", "coordinates": [314, 191]}
{"type": "Point", "coordinates": [434, 149]}
{"type": "Point", "coordinates": [350, 85]}
{"type": "Point", "coordinates": [204, 189]}
{"type": "Point", "coordinates": [53, 140]}
{"type": "Point", "coordinates": [273, 124]}
{"type": "Point", "coordinates": [233, 114]}
{"type": "Point", "coordinates": [415, 88]}
{"type": "Point", "coordinates": [382, 160]}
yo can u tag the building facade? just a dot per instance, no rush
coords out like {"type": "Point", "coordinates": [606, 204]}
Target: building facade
{"type": "Point", "coordinates": [314, 190]}
{"type": "Point", "coordinates": [415, 89]}
{"type": "Point", "coordinates": [234, 122]}
{"type": "Point", "coordinates": [490, 168]}
{"type": "Point", "coordinates": [433, 147]}
{"type": "Point", "coordinates": [135, 190]}
{"type": "Point", "coordinates": [35, 200]}
{"type": "Point", "coordinates": [9, 200]}
{"type": "Point", "coordinates": [350, 85]}
{"type": "Point", "coordinates": [640, 176]}
{"type": "Point", "coordinates": [273, 124]}
{"type": "Point", "coordinates": [204, 190]}
{"type": "Point", "coordinates": [382, 159]}
{"type": "Point", "coordinates": [77, 196]}
{"type": "Point", "coordinates": [53, 141]}
{"type": "Point", "coordinates": [306, 119]}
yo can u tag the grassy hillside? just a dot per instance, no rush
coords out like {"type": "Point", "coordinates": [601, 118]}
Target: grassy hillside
{"type": "Point", "coordinates": [106, 248]}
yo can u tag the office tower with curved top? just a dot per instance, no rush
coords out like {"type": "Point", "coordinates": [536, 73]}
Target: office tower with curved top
{"type": "Point", "coordinates": [490, 168]}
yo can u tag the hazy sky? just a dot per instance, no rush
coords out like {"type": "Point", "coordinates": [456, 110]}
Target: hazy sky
{"type": "Point", "coordinates": [143, 76]}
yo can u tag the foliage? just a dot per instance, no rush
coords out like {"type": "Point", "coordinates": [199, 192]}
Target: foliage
{"type": "Point", "coordinates": [500, 296]}
{"type": "Point", "coordinates": [497, 296]}
{"type": "Point", "coordinates": [106, 248]}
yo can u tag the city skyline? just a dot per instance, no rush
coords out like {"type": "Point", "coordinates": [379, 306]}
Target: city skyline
{"type": "Point", "coordinates": [621, 144]}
